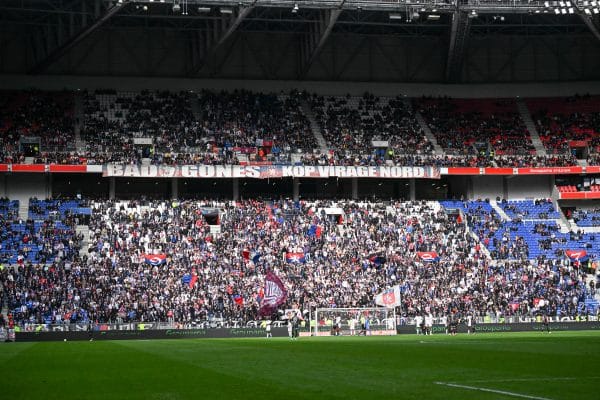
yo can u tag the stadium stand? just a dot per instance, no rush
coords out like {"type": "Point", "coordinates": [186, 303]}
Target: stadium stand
{"type": "Point", "coordinates": [45, 118]}
{"type": "Point", "coordinates": [565, 122]}
{"type": "Point", "coordinates": [161, 261]}
{"type": "Point", "coordinates": [587, 218]}
{"type": "Point", "coordinates": [476, 126]}
{"type": "Point", "coordinates": [114, 120]}
{"type": "Point", "coordinates": [352, 126]}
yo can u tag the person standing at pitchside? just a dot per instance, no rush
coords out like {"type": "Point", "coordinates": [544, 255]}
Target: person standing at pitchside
{"type": "Point", "coordinates": [545, 323]}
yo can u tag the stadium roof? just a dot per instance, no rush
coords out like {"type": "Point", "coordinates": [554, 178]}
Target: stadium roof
{"type": "Point", "coordinates": [56, 28]}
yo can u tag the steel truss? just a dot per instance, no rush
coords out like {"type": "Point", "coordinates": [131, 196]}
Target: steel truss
{"type": "Point", "coordinates": [56, 26]}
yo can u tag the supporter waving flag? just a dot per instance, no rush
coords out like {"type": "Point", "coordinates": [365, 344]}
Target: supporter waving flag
{"type": "Point", "coordinates": [377, 260]}
{"type": "Point", "coordinates": [155, 259]}
{"type": "Point", "coordinates": [577, 255]}
{"type": "Point", "coordinates": [295, 257]}
{"type": "Point", "coordinates": [275, 294]}
{"type": "Point", "coordinates": [389, 298]}
{"type": "Point", "coordinates": [428, 256]}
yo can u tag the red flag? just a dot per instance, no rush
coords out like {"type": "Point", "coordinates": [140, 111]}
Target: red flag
{"type": "Point", "coordinates": [459, 219]}
{"type": "Point", "coordinates": [239, 300]}
{"type": "Point", "coordinates": [275, 294]}
{"type": "Point", "coordinates": [193, 280]}
{"type": "Point", "coordinates": [246, 254]}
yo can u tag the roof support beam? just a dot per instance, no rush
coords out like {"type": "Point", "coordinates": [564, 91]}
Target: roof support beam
{"type": "Point", "coordinates": [315, 44]}
{"type": "Point", "coordinates": [70, 42]}
{"type": "Point", "coordinates": [459, 34]}
{"type": "Point", "coordinates": [590, 24]}
{"type": "Point", "coordinates": [222, 30]}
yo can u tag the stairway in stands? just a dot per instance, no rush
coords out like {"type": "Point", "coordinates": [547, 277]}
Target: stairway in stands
{"type": "Point", "coordinates": [79, 115]}
{"type": "Point", "coordinates": [499, 210]}
{"type": "Point", "coordinates": [85, 231]}
{"type": "Point", "coordinates": [314, 126]}
{"type": "Point", "coordinates": [195, 106]}
{"type": "Point", "coordinates": [426, 130]}
{"type": "Point", "coordinates": [533, 133]}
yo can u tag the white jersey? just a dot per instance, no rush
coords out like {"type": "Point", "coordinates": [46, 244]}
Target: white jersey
{"type": "Point", "coordinates": [429, 320]}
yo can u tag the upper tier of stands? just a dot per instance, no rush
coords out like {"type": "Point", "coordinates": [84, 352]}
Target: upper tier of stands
{"type": "Point", "coordinates": [46, 117]}
{"type": "Point", "coordinates": [351, 125]}
{"type": "Point", "coordinates": [561, 121]}
{"type": "Point", "coordinates": [242, 126]}
{"type": "Point", "coordinates": [113, 120]}
{"type": "Point", "coordinates": [475, 126]}
{"type": "Point", "coordinates": [225, 127]}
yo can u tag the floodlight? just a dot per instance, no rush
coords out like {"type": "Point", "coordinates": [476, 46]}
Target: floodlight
{"type": "Point", "coordinates": [295, 9]}
{"type": "Point", "coordinates": [563, 11]}
{"type": "Point", "coordinates": [571, 10]}
{"type": "Point", "coordinates": [433, 17]}
{"type": "Point", "coordinates": [226, 10]}
{"type": "Point", "coordinates": [587, 11]}
{"type": "Point", "coordinates": [556, 11]}
{"type": "Point", "coordinates": [596, 11]}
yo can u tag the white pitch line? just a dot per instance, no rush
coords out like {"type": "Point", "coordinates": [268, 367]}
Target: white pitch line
{"type": "Point", "coordinates": [558, 378]}
{"type": "Point", "coordinates": [525, 396]}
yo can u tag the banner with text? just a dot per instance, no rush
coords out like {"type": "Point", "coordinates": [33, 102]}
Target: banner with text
{"type": "Point", "coordinates": [264, 172]}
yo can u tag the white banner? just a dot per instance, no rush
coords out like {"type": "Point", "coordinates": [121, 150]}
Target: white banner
{"type": "Point", "coordinates": [268, 171]}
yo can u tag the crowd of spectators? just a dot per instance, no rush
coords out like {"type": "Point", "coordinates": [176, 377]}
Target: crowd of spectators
{"type": "Point", "coordinates": [160, 122]}
{"type": "Point", "coordinates": [562, 121]}
{"type": "Point", "coordinates": [586, 217]}
{"type": "Point", "coordinates": [244, 127]}
{"type": "Point", "coordinates": [346, 253]}
{"type": "Point", "coordinates": [371, 129]}
{"type": "Point", "coordinates": [475, 126]}
{"type": "Point", "coordinates": [44, 119]}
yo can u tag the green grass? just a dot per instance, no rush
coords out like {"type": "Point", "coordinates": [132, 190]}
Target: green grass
{"type": "Point", "coordinates": [563, 365]}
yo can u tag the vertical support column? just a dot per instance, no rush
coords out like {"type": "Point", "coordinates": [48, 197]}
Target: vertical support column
{"type": "Point", "coordinates": [470, 191]}
{"type": "Point", "coordinates": [236, 189]}
{"type": "Point", "coordinates": [354, 188]}
{"type": "Point", "coordinates": [111, 188]}
{"type": "Point", "coordinates": [174, 188]}
{"type": "Point", "coordinates": [48, 185]}
{"type": "Point", "coordinates": [296, 188]}
{"type": "Point", "coordinates": [412, 192]}
{"type": "Point", "coordinates": [3, 191]}
{"type": "Point", "coordinates": [505, 187]}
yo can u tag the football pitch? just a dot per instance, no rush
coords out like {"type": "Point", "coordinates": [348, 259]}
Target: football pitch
{"type": "Point", "coordinates": [563, 365]}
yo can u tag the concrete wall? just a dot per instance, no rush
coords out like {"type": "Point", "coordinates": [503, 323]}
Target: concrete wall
{"type": "Point", "coordinates": [23, 186]}
{"type": "Point", "coordinates": [59, 82]}
{"type": "Point", "coordinates": [487, 187]}
{"type": "Point", "coordinates": [529, 187]}
{"type": "Point", "coordinates": [582, 204]}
